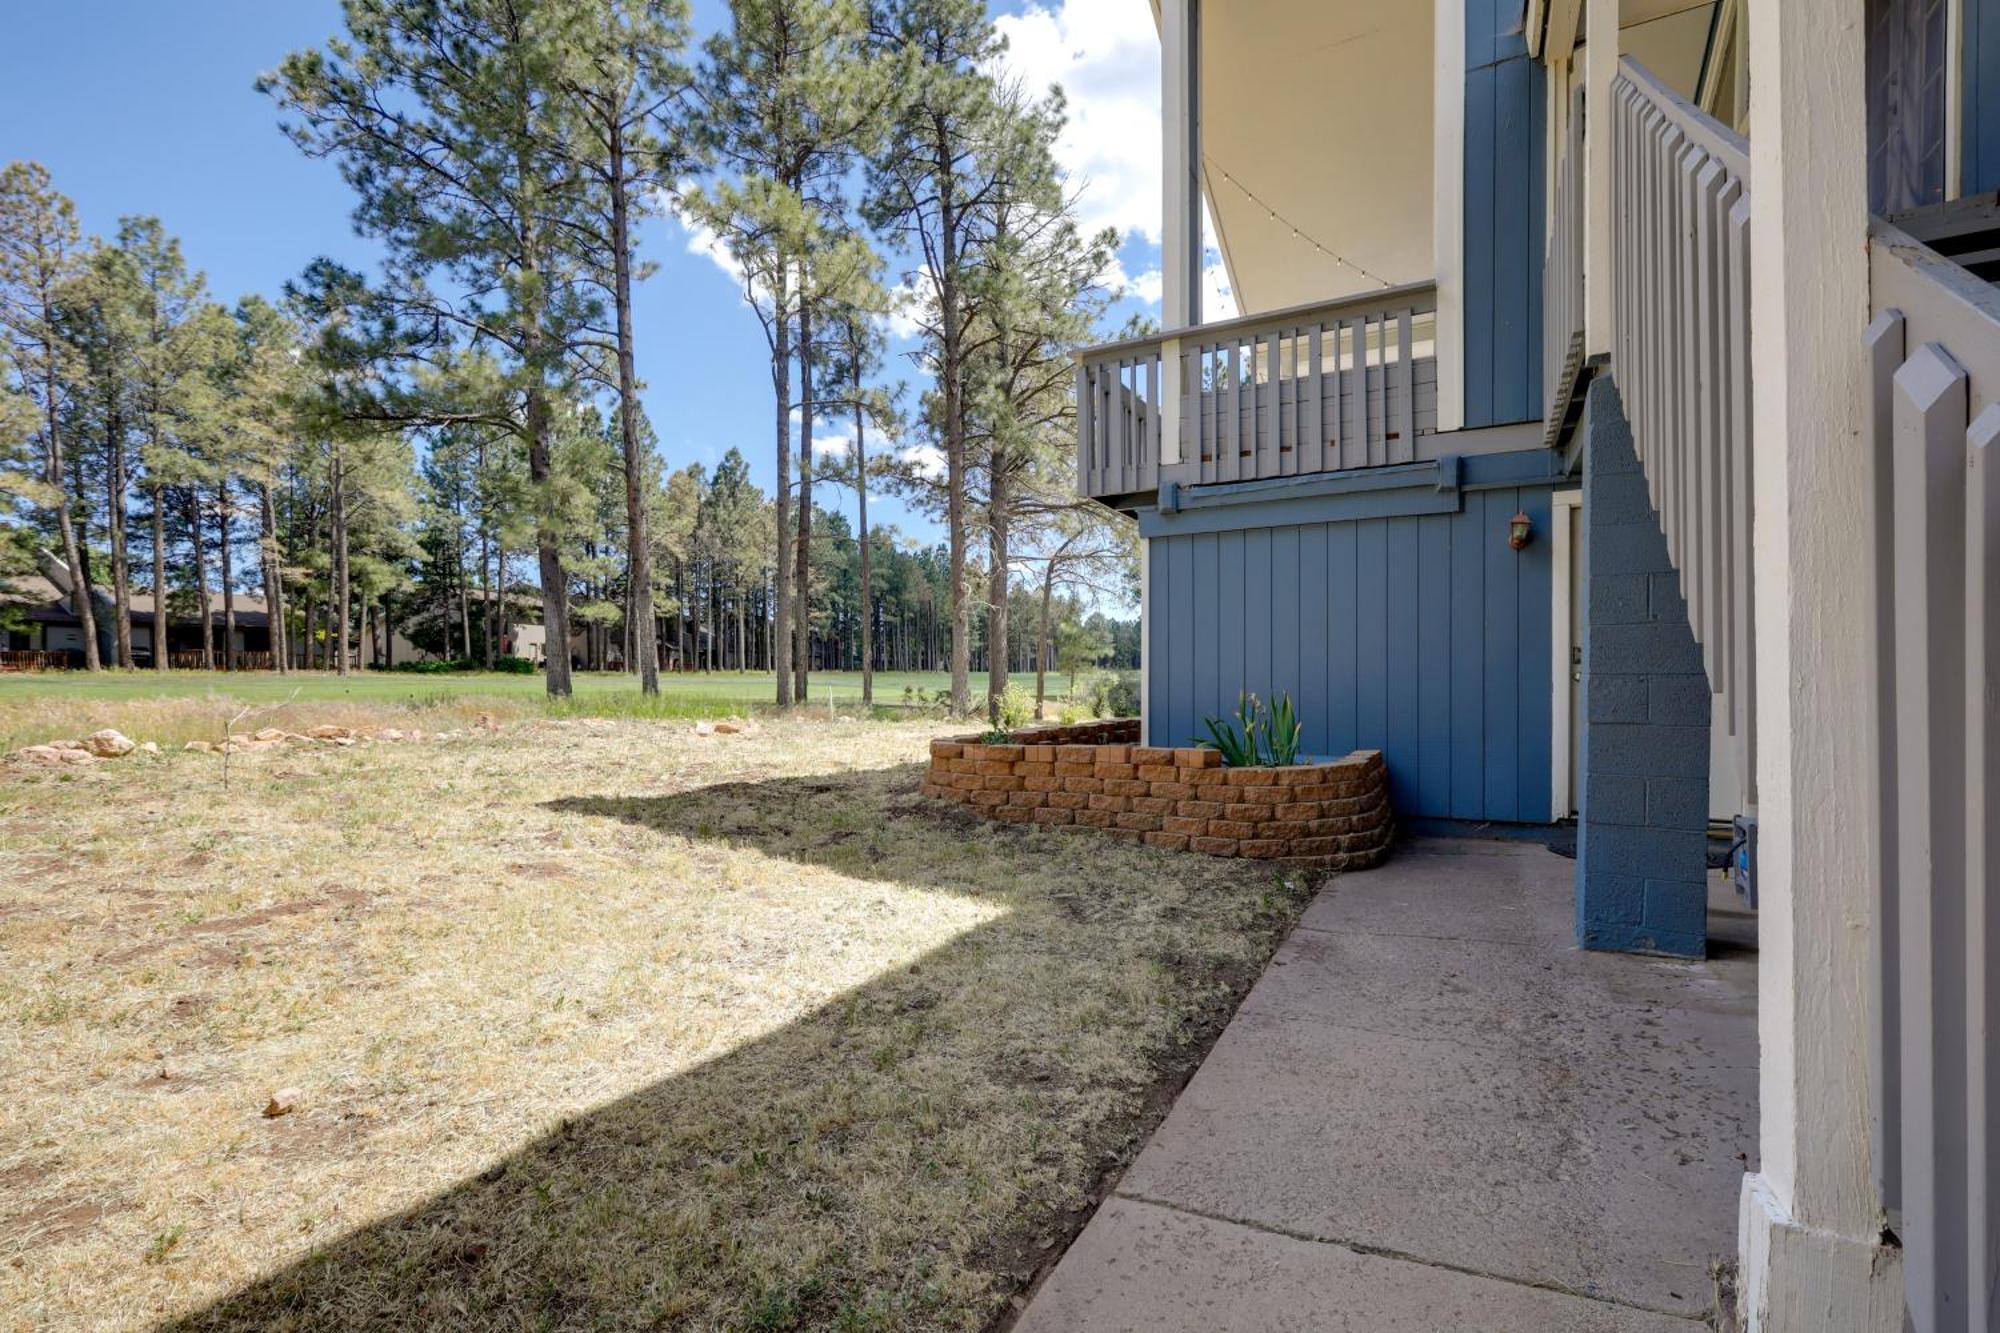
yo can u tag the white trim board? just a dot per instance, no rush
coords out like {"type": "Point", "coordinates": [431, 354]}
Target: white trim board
{"type": "Point", "coordinates": [1562, 798]}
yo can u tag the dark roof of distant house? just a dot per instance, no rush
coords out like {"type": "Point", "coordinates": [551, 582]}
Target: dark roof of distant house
{"type": "Point", "coordinates": [35, 597]}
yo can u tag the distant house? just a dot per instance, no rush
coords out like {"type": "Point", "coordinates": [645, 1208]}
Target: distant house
{"type": "Point", "coordinates": [43, 628]}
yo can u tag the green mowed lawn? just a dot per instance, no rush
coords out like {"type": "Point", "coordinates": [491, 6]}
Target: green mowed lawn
{"type": "Point", "coordinates": [174, 707]}
{"type": "Point", "coordinates": [594, 690]}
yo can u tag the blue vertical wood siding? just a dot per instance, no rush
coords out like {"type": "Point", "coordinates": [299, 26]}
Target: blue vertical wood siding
{"type": "Point", "coordinates": [1505, 122]}
{"type": "Point", "coordinates": [1425, 635]}
{"type": "Point", "coordinates": [1980, 139]}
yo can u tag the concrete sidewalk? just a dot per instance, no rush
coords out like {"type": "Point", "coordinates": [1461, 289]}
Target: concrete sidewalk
{"type": "Point", "coordinates": [1434, 1112]}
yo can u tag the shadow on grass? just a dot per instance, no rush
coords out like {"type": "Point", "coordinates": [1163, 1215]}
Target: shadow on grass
{"type": "Point", "coordinates": [907, 1155]}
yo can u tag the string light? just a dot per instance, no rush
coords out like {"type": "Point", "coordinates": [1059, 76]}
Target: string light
{"type": "Point", "coordinates": [1299, 233]}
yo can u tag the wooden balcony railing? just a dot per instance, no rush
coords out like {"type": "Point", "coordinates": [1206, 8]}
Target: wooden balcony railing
{"type": "Point", "coordinates": [32, 659]}
{"type": "Point", "coordinates": [1680, 203]}
{"type": "Point", "coordinates": [1933, 357]}
{"type": "Point", "coordinates": [1562, 283]}
{"type": "Point", "coordinates": [1321, 388]}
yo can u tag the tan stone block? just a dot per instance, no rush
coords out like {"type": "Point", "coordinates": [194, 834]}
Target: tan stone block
{"type": "Point", "coordinates": [1151, 754]}
{"type": "Point", "coordinates": [1182, 824]}
{"type": "Point", "coordinates": [1116, 770]}
{"type": "Point", "coordinates": [1197, 757]}
{"type": "Point", "coordinates": [989, 800]}
{"type": "Point", "coordinates": [1076, 754]}
{"type": "Point", "coordinates": [1113, 754]}
{"type": "Point", "coordinates": [1231, 828]}
{"type": "Point", "coordinates": [1095, 818]}
{"type": "Point", "coordinates": [945, 749]}
{"type": "Point", "coordinates": [1202, 809]}
{"type": "Point", "coordinates": [1127, 787]}
{"type": "Point", "coordinates": [1086, 785]}
{"type": "Point", "coordinates": [1214, 846]}
{"type": "Point", "coordinates": [1249, 777]}
{"type": "Point", "coordinates": [1174, 791]}
{"type": "Point", "coordinates": [1172, 842]}
{"type": "Point", "coordinates": [1065, 769]}
{"type": "Point", "coordinates": [1039, 754]}
{"type": "Point", "coordinates": [1142, 823]}
{"type": "Point", "coordinates": [1029, 800]}
{"type": "Point", "coordinates": [1261, 849]}
{"type": "Point", "coordinates": [1037, 782]}
{"type": "Point", "coordinates": [1297, 810]}
{"type": "Point", "coordinates": [1298, 775]}
{"type": "Point", "coordinates": [1050, 815]}
{"type": "Point", "coordinates": [1204, 777]}
{"type": "Point", "coordinates": [1247, 814]}
{"type": "Point", "coordinates": [1116, 805]}
{"type": "Point", "coordinates": [1264, 795]}
{"type": "Point", "coordinates": [1152, 805]}
{"type": "Point", "coordinates": [1013, 814]}
{"type": "Point", "coordinates": [1068, 800]}
{"type": "Point", "coordinates": [1158, 772]}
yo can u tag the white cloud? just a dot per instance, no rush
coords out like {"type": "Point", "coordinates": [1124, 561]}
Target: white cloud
{"type": "Point", "coordinates": [703, 240]}
{"type": "Point", "coordinates": [1106, 56]}
{"type": "Point", "coordinates": [926, 459]}
{"type": "Point", "coordinates": [833, 446]}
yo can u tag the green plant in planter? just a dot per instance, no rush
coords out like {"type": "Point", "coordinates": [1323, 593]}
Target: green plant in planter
{"type": "Point", "coordinates": [1260, 735]}
{"type": "Point", "coordinates": [1236, 740]}
{"type": "Point", "coordinates": [1281, 733]}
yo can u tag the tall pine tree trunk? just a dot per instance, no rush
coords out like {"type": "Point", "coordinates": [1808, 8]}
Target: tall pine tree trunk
{"type": "Point", "coordinates": [79, 595]}
{"type": "Point", "coordinates": [229, 659]}
{"type": "Point", "coordinates": [639, 557]}
{"type": "Point", "coordinates": [803, 555]}
{"type": "Point", "coordinates": [274, 579]}
{"type": "Point", "coordinates": [548, 553]}
{"type": "Point", "coordinates": [954, 440]}
{"type": "Point", "coordinates": [342, 609]}
{"type": "Point", "coordinates": [867, 582]}
{"type": "Point", "coordinates": [121, 567]}
{"type": "Point", "coordinates": [205, 607]}
{"type": "Point", "coordinates": [160, 654]}
{"type": "Point", "coordinates": [998, 521]}
{"type": "Point", "coordinates": [781, 383]}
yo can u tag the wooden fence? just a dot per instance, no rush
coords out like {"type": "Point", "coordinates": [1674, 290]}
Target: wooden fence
{"type": "Point", "coordinates": [1933, 358]}
{"type": "Point", "coordinates": [1341, 384]}
{"type": "Point", "coordinates": [32, 659]}
{"type": "Point", "coordinates": [1681, 289]}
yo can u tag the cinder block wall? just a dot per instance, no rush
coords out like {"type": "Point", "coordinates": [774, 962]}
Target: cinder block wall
{"type": "Point", "coordinates": [1331, 815]}
{"type": "Point", "coordinates": [1642, 838]}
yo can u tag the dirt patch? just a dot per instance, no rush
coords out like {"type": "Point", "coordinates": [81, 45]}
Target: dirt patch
{"type": "Point", "coordinates": [55, 1221]}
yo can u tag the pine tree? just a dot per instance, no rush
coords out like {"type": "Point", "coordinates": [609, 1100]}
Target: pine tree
{"type": "Point", "coordinates": [787, 94]}
{"type": "Point", "coordinates": [622, 79]}
{"type": "Point", "coordinates": [948, 153]}
{"type": "Point", "coordinates": [39, 257]}
{"type": "Point", "coordinates": [447, 119]}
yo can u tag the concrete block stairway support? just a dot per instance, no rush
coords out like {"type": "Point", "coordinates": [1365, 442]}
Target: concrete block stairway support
{"type": "Point", "coordinates": [1642, 839]}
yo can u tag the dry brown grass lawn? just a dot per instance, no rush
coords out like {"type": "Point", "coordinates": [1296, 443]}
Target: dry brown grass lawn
{"type": "Point", "coordinates": [598, 1025]}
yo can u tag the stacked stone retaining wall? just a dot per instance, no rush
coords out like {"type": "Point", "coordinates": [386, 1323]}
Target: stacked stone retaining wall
{"type": "Point", "coordinates": [1095, 777]}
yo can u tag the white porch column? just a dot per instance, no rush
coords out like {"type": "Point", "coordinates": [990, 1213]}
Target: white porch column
{"type": "Point", "coordinates": [1810, 1219]}
{"type": "Point", "coordinates": [1600, 67]}
{"type": "Point", "coordinates": [1448, 195]}
{"type": "Point", "coordinates": [1180, 117]}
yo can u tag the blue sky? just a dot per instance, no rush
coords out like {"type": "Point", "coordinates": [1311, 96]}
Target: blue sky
{"type": "Point", "coordinates": [144, 107]}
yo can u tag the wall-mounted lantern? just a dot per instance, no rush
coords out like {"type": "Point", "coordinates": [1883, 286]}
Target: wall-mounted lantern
{"type": "Point", "coordinates": [1519, 529]}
